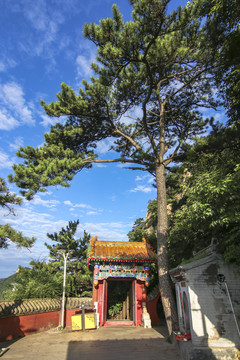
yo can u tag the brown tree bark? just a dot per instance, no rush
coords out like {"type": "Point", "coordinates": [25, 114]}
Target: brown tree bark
{"type": "Point", "coordinates": [165, 285]}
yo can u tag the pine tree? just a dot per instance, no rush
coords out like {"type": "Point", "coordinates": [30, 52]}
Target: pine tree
{"type": "Point", "coordinates": [78, 275]}
{"type": "Point", "coordinates": [45, 279]}
{"type": "Point", "coordinates": [7, 233]}
{"type": "Point", "coordinates": [153, 62]}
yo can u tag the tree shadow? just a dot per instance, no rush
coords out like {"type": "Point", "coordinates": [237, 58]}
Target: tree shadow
{"type": "Point", "coordinates": [162, 329]}
{"type": "Point", "coordinates": [140, 349]}
{"type": "Point", "coordinates": [10, 329]}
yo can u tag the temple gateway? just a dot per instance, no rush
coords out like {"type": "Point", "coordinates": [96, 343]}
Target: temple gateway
{"type": "Point", "coordinates": [120, 279]}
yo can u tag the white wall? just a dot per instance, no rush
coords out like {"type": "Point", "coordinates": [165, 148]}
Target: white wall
{"type": "Point", "coordinates": [211, 319]}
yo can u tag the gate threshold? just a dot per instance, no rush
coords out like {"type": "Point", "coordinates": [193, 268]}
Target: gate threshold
{"type": "Point", "coordinates": [118, 323]}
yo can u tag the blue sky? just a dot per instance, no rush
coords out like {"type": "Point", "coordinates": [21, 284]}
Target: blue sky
{"type": "Point", "coordinates": [41, 46]}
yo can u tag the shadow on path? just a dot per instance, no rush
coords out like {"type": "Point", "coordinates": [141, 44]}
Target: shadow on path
{"type": "Point", "coordinates": [110, 343]}
{"type": "Point", "coordinates": [133, 349]}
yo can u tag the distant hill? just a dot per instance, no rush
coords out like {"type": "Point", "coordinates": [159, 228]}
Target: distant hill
{"type": "Point", "coordinates": [4, 283]}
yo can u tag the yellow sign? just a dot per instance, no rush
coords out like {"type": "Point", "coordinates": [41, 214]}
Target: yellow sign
{"type": "Point", "coordinates": [89, 321]}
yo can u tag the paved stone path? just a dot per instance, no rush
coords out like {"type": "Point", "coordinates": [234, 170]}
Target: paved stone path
{"type": "Point", "coordinates": [106, 343]}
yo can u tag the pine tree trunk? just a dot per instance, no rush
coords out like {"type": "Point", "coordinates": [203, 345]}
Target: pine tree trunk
{"type": "Point", "coordinates": [165, 285]}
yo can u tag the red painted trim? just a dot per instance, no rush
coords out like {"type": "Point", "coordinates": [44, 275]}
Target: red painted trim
{"type": "Point", "coordinates": [105, 284]}
{"type": "Point", "coordinates": [134, 301]}
{"type": "Point", "coordinates": [139, 301]}
{"type": "Point", "coordinates": [183, 337]}
{"type": "Point", "coordinates": [100, 301]}
{"type": "Point", "coordinates": [121, 260]}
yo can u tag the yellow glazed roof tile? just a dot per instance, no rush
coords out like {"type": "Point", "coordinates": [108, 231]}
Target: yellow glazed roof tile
{"type": "Point", "coordinates": [120, 251]}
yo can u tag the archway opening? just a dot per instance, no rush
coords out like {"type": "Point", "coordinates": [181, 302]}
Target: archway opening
{"type": "Point", "coordinates": [119, 300]}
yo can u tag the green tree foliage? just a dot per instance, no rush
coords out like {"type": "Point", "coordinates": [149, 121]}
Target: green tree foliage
{"type": "Point", "coordinates": [79, 276]}
{"type": "Point", "coordinates": [40, 281]}
{"type": "Point", "coordinates": [222, 19]}
{"type": "Point", "coordinates": [154, 62]}
{"type": "Point", "coordinates": [138, 231]}
{"type": "Point", "coordinates": [45, 280]}
{"type": "Point", "coordinates": [7, 199]}
{"type": "Point", "coordinates": [206, 204]}
{"type": "Point", "coordinates": [203, 198]}
{"type": "Point", "coordinates": [5, 283]}
{"type": "Point", "coordinates": [145, 229]}
{"type": "Point", "coordinates": [7, 233]}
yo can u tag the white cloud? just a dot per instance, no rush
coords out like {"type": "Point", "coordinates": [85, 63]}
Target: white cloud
{"type": "Point", "coordinates": [32, 222]}
{"type": "Point", "coordinates": [5, 64]}
{"type": "Point", "coordinates": [146, 178]}
{"type": "Point", "coordinates": [220, 116]}
{"type": "Point", "coordinates": [107, 231]}
{"type": "Point", "coordinates": [92, 213]}
{"type": "Point", "coordinates": [7, 121]}
{"type": "Point", "coordinates": [47, 120]}
{"type": "Point", "coordinates": [2, 66]}
{"type": "Point", "coordinates": [151, 180]}
{"type": "Point", "coordinates": [100, 165]}
{"type": "Point", "coordinates": [47, 203]}
{"type": "Point", "coordinates": [140, 178]}
{"type": "Point", "coordinates": [83, 66]}
{"type": "Point", "coordinates": [13, 107]}
{"type": "Point", "coordinates": [5, 161]}
{"type": "Point", "coordinates": [83, 206]}
{"type": "Point", "coordinates": [37, 224]}
{"type": "Point", "coordinates": [11, 258]}
{"type": "Point", "coordinates": [45, 20]}
{"type": "Point", "coordinates": [67, 202]}
{"type": "Point", "coordinates": [18, 141]}
{"type": "Point", "coordinates": [131, 116]}
{"type": "Point", "coordinates": [83, 62]}
{"type": "Point", "coordinates": [64, 42]}
{"type": "Point", "coordinates": [142, 188]}
{"type": "Point", "coordinates": [137, 112]}
{"type": "Point", "coordinates": [103, 146]}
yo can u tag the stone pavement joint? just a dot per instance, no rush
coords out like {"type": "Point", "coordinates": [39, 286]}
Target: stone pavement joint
{"type": "Point", "coordinates": [110, 343]}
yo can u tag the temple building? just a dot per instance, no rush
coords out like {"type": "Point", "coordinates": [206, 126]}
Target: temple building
{"type": "Point", "coordinates": [120, 279]}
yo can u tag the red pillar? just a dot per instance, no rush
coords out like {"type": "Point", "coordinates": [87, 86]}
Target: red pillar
{"type": "Point", "coordinates": [100, 299]}
{"type": "Point", "coordinates": [139, 300]}
{"type": "Point", "coordinates": [95, 293]}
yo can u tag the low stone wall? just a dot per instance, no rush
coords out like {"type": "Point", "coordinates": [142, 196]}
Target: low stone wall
{"type": "Point", "coordinates": [34, 306]}
{"type": "Point", "coordinates": [21, 318]}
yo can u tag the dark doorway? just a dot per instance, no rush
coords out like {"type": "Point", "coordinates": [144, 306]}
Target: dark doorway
{"type": "Point", "coordinates": [119, 300]}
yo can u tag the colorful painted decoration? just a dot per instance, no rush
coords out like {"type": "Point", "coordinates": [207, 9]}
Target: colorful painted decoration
{"type": "Point", "coordinates": [138, 272]}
